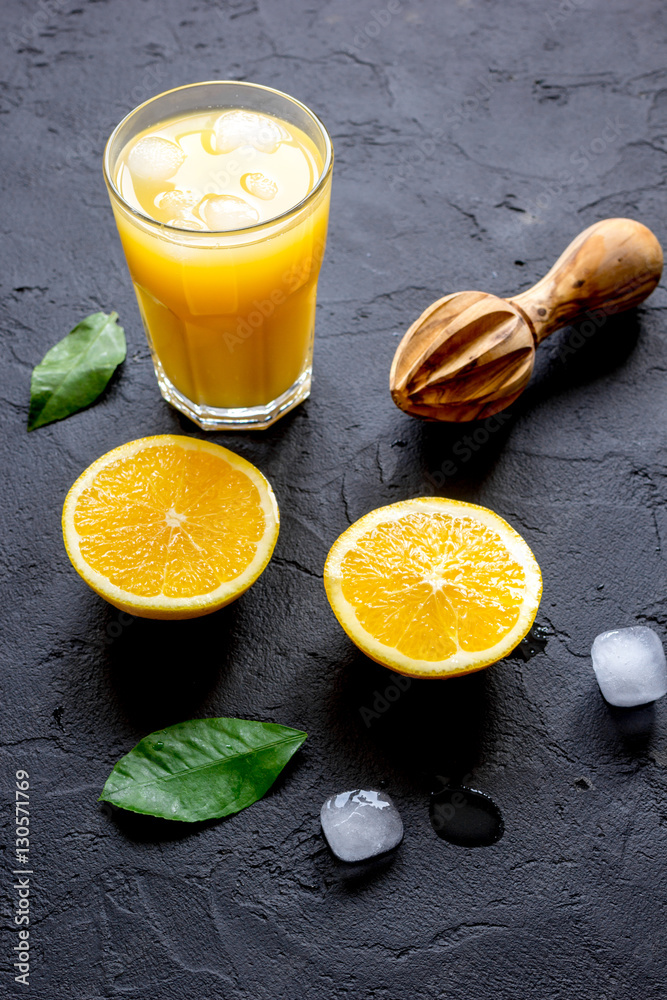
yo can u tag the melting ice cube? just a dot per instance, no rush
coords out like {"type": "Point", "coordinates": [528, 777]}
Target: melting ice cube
{"type": "Point", "coordinates": [154, 158]}
{"type": "Point", "coordinates": [178, 203]}
{"type": "Point", "coordinates": [186, 222]}
{"type": "Point", "coordinates": [361, 824]}
{"type": "Point", "coordinates": [630, 666]}
{"type": "Point", "coordinates": [246, 128]}
{"type": "Point", "coordinates": [260, 185]}
{"type": "Point", "coordinates": [225, 211]}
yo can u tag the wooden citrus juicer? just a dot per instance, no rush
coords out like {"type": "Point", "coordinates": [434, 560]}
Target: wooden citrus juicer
{"type": "Point", "coordinates": [471, 354]}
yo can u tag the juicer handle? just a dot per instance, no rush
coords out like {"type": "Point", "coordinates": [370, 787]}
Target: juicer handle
{"type": "Point", "coordinates": [613, 265]}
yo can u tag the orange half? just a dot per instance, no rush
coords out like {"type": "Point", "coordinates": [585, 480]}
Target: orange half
{"type": "Point", "coordinates": [433, 587]}
{"type": "Point", "coordinates": [170, 526]}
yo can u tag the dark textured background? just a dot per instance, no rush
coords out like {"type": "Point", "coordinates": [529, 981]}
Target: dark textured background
{"type": "Point", "coordinates": [531, 121]}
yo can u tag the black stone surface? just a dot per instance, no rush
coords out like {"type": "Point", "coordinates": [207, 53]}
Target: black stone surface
{"type": "Point", "coordinates": [473, 140]}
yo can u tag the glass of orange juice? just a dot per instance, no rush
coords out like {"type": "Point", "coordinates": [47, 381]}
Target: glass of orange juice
{"type": "Point", "coordinates": [220, 192]}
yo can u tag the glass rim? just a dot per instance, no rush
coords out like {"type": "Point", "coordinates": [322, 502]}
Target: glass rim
{"type": "Point", "coordinates": [310, 196]}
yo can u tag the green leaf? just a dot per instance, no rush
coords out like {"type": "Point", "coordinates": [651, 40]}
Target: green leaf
{"type": "Point", "coordinates": [74, 372]}
{"type": "Point", "coordinates": [202, 769]}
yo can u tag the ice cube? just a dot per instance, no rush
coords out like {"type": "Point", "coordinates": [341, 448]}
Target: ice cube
{"type": "Point", "coordinates": [186, 222]}
{"type": "Point", "coordinates": [630, 666]}
{"type": "Point", "coordinates": [246, 128]}
{"type": "Point", "coordinates": [155, 159]}
{"type": "Point", "coordinates": [226, 211]}
{"type": "Point", "coordinates": [178, 203]}
{"type": "Point", "coordinates": [361, 824]}
{"type": "Point", "coordinates": [260, 185]}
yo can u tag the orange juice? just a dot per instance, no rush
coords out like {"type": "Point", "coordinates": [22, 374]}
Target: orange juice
{"type": "Point", "coordinates": [222, 213]}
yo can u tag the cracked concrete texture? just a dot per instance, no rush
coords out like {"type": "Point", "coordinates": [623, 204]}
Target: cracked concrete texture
{"type": "Point", "coordinates": [473, 141]}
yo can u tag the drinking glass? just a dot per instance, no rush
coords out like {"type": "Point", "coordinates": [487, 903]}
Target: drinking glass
{"type": "Point", "coordinates": [229, 316]}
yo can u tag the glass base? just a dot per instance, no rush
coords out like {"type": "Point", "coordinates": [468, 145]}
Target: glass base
{"type": "Point", "coordinates": [241, 418]}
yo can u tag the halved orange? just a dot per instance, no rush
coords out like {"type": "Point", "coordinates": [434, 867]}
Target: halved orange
{"type": "Point", "coordinates": [170, 526]}
{"type": "Point", "coordinates": [433, 587]}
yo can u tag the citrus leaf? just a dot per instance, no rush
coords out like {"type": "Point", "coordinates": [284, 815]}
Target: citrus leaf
{"type": "Point", "coordinates": [76, 370]}
{"type": "Point", "coordinates": [202, 769]}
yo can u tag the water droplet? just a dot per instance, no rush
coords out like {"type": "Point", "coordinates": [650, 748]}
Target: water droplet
{"type": "Point", "coordinates": [535, 642]}
{"type": "Point", "coordinates": [466, 817]}
{"type": "Point", "coordinates": [158, 746]}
